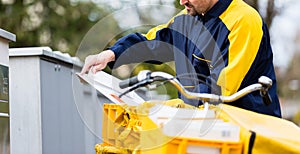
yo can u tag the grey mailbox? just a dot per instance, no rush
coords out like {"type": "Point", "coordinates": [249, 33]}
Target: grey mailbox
{"type": "Point", "coordinates": [5, 38]}
{"type": "Point", "coordinates": [44, 113]}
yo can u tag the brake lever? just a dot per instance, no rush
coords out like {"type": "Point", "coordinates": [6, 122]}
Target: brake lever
{"type": "Point", "coordinates": [266, 84]}
{"type": "Point", "coordinates": [266, 97]}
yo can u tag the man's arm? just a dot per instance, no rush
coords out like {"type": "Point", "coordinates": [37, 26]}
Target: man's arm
{"type": "Point", "coordinates": [99, 61]}
{"type": "Point", "coordinates": [143, 47]}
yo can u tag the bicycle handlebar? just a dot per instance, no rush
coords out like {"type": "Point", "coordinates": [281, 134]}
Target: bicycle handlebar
{"type": "Point", "coordinates": [147, 77]}
{"type": "Point", "coordinates": [128, 82]}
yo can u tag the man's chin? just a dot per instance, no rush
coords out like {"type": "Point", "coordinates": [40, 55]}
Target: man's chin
{"type": "Point", "coordinates": [191, 12]}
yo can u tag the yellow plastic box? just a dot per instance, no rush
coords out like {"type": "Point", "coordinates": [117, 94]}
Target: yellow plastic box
{"type": "Point", "coordinates": [140, 134]}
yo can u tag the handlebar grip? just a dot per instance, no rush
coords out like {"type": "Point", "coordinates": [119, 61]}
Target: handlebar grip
{"type": "Point", "coordinates": [128, 82]}
{"type": "Point", "coordinates": [266, 98]}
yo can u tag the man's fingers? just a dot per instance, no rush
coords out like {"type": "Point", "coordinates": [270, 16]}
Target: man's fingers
{"type": "Point", "coordinates": [98, 62]}
{"type": "Point", "coordinates": [89, 62]}
{"type": "Point", "coordinates": [98, 68]}
{"type": "Point", "coordinates": [85, 69]}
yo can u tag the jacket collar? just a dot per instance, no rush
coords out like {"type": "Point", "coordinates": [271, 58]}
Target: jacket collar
{"type": "Point", "coordinates": [217, 9]}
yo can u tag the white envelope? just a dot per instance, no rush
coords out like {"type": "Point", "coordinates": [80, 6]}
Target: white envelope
{"type": "Point", "coordinates": [108, 85]}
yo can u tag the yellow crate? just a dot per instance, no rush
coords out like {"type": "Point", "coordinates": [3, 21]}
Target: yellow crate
{"type": "Point", "coordinates": [148, 137]}
{"type": "Point", "coordinates": [183, 146]}
{"type": "Point", "coordinates": [108, 149]}
{"type": "Point", "coordinates": [110, 112]}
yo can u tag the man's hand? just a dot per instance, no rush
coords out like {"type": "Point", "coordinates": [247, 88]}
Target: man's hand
{"type": "Point", "coordinates": [97, 62]}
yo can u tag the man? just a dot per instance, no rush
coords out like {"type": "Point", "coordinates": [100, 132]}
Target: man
{"type": "Point", "coordinates": [224, 40]}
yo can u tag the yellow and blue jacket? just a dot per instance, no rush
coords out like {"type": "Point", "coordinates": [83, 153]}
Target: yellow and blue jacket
{"type": "Point", "coordinates": [230, 45]}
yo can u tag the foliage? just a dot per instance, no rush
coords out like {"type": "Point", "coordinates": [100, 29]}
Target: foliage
{"type": "Point", "coordinates": [289, 82]}
{"type": "Point", "coordinates": [59, 24]}
{"type": "Point", "coordinates": [177, 5]}
{"type": "Point", "coordinates": [270, 9]}
{"type": "Point", "coordinates": [296, 118]}
{"type": "Point", "coordinates": [168, 68]}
